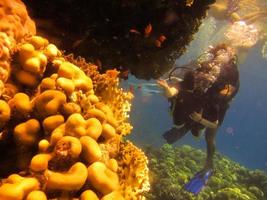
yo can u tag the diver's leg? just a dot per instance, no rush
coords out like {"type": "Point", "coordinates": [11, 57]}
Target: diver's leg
{"type": "Point", "coordinates": [210, 140]}
{"type": "Point", "coordinates": [175, 133]}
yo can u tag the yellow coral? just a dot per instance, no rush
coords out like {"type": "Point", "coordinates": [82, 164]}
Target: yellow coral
{"type": "Point", "coordinates": [69, 181]}
{"type": "Point", "coordinates": [113, 196]}
{"type": "Point", "coordinates": [76, 125]}
{"type": "Point", "coordinates": [74, 114]}
{"type": "Point", "coordinates": [43, 145]}
{"type": "Point", "coordinates": [38, 42]}
{"type": "Point", "coordinates": [49, 102]}
{"type": "Point", "coordinates": [102, 178]}
{"type": "Point", "coordinates": [94, 128]}
{"type": "Point", "coordinates": [26, 78]}
{"type": "Point", "coordinates": [52, 122]}
{"type": "Point", "coordinates": [40, 162]}
{"type": "Point", "coordinates": [91, 151]}
{"type": "Point", "coordinates": [89, 195]}
{"type": "Point", "coordinates": [26, 133]}
{"type": "Point", "coordinates": [70, 108]}
{"type": "Point", "coordinates": [48, 84]}
{"type": "Point", "coordinates": [32, 60]}
{"type": "Point", "coordinates": [96, 113]}
{"type": "Point", "coordinates": [21, 103]}
{"type": "Point", "coordinates": [17, 187]}
{"type": "Point", "coordinates": [73, 144]}
{"type": "Point", "coordinates": [112, 164]}
{"type": "Point", "coordinates": [72, 72]}
{"type": "Point", "coordinates": [108, 131]}
{"type": "Point", "coordinates": [36, 195]}
{"type": "Point", "coordinates": [51, 51]}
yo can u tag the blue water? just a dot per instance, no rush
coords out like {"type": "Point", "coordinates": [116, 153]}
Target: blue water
{"type": "Point", "coordinates": [243, 134]}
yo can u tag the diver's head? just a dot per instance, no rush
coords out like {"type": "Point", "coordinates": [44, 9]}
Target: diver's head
{"type": "Point", "coordinates": [188, 80]}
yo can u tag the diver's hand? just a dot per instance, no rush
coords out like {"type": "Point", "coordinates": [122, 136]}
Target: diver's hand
{"type": "Point", "coordinates": [162, 83]}
{"type": "Point", "coordinates": [169, 92]}
{"type": "Point", "coordinates": [227, 91]}
{"type": "Point", "coordinates": [197, 117]}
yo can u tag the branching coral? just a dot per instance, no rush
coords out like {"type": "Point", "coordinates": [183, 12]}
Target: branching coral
{"type": "Point", "coordinates": [133, 171]}
{"type": "Point", "coordinates": [76, 118]}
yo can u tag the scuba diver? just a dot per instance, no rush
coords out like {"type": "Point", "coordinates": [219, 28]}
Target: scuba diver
{"type": "Point", "coordinates": [200, 100]}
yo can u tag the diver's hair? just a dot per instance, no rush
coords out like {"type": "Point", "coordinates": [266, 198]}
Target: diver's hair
{"type": "Point", "coordinates": [188, 81]}
{"type": "Point", "coordinates": [218, 47]}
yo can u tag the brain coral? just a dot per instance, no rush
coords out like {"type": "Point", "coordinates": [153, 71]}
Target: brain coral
{"type": "Point", "coordinates": [65, 121]}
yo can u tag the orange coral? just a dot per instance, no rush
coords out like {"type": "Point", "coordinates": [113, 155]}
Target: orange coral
{"type": "Point", "coordinates": [14, 20]}
{"type": "Point", "coordinates": [15, 24]}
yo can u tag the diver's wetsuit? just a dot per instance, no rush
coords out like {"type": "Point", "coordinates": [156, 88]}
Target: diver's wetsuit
{"type": "Point", "coordinates": [216, 105]}
{"type": "Point", "coordinates": [212, 105]}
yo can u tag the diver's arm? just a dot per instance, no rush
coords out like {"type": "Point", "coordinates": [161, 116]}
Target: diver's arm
{"type": "Point", "coordinates": [208, 124]}
{"type": "Point", "coordinates": [199, 119]}
{"type": "Point", "coordinates": [168, 91]}
{"type": "Point", "coordinates": [228, 90]}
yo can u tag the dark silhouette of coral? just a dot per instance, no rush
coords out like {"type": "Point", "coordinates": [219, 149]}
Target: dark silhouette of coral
{"type": "Point", "coordinates": [111, 32]}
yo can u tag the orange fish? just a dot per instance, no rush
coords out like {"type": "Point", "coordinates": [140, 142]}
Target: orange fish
{"type": "Point", "coordinates": [148, 30]}
{"type": "Point", "coordinates": [162, 38]}
{"type": "Point", "coordinates": [157, 43]}
{"type": "Point", "coordinates": [134, 31]}
{"type": "Point", "coordinates": [77, 43]}
{"type": "Point", "coordinates": [112, 73]}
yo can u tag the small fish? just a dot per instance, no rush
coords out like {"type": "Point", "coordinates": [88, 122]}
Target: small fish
{"type": "Point", "coordinates": [157, 43]}
{"type": "Point", "coordinates": [162, 38]}
{"type": "Point", "coordinates": [148, 30]}
{"type": "Point", "coordinates": [134, 31]}
{"type": "Point", "coordinates": [77, 43]}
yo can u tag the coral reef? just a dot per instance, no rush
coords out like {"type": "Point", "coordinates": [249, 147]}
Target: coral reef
{"type": "Point", "coordinates": [62, 124]}
{"type": "Point", "coordinates": [171, 167]}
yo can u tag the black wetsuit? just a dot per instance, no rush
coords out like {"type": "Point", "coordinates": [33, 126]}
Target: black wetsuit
{"type": "Point", "coordinates": [216, 105]}
{"type": "Point", "coordinates": [212, 105]}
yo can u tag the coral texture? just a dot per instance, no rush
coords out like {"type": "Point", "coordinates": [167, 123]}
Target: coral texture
{"type": "Point", "coordinates": [65, 122]}
{"type": "Point", "coordinates": [15, 24]}
{"type": "Point", "coordinates": [170, 168]}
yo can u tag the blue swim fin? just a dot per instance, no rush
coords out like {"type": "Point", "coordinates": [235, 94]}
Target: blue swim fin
{"type": "Point", "coordinates": [196, 184]}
